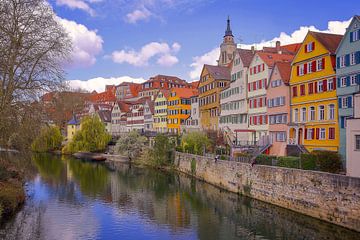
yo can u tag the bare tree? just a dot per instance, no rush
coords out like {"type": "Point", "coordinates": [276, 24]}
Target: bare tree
{"type": "Point", "coordinates": [33, 48]}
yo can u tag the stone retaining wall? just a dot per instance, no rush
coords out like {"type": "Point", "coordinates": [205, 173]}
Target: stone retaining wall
{"type": "Point", "coordinates": [330, 197]}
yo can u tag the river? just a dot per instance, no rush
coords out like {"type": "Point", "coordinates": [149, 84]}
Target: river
{"type": "Point", "coordinates": [73, 199]}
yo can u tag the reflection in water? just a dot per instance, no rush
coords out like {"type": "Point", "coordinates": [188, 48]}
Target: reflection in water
{"type": "Point", "coordinates": [71, 199]}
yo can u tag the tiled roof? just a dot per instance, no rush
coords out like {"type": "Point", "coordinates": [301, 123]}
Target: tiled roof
{"type": "Point", "coordinates": [271, 58]}
{"type": "Point", "coordinates": [218, 72]}
{"type": "Point", "coordinates": [105, 115]}
{"type": "Point", "coordinates": [246, 56]}
{"type": "Point", "coordinates": [166, 92]}
{"type": "Point", "coordinates": [151, 105]}
{"type": "Point", "coordinates": [124, 107]}
{"type": "Point", "coordinates": [292, 47]}
{"type": "Point", "coordinates": [184, 92]}
{"type": "Point", "coordinates": [74, 121]}
{"type": "Point", "coordinates": [329, 41]}
{"type": "Point", "coordinates": [284, 70]}
{"type": "Point", "coordinates": [107, 96]}
{"type": "Point", "coordinates": [195, 84]}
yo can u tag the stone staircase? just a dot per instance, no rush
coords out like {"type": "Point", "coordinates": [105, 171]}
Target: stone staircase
{"type": "Point", "coordinates": [295, 150]}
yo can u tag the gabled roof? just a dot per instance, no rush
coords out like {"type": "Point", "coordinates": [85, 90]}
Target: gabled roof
{"type": "Point", "coordinates": [292, 47]}
{"type": "Point", "coordinates": [246, 56]}
{"type": "Point", "coordinates": [329, 41]}
{"type": "Point", "coordinates": [271, 58]}
{"type": "Point", "coordinates": [195, 84]}
{"type": "Point", "coordinates": [184, 92]}
{"type": "Point", "coordinates": [165, 92]}
{"type": "Point", "coordinates": [105, 115]}
{"type": "Point", "coordinates": [218, 72]}
{"type": "Point", "coordinates": [151, 105]}
{"type": "Point", "coordinates": [355, 18]}
{"type": "Point", "coordinates": [284, 71]}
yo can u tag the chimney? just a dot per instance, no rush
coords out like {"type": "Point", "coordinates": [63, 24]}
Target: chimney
{"type": "Point", "coordinates": [252, 49]}
{"type": "Point", "coordinates": [278, 47]}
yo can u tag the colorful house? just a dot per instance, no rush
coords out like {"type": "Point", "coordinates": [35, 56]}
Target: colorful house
{"type": "Point", "coordinates": [179, 108]}
{"type": "Point", "coordinates": [233, 99]}
{"type": "Point", "coordinates": [260, 69]}
{"type": "Point", "coordinates": [118, 118]}
{"type": "Point", "coordinates": [160, 111]}
{"type": "Point", "coordinates": [278, 107]}
{"type": "Point", "coordinates": [192, 123]}
{"type": "Point", "coordinates": [314, 120]}
{"type": "Point", "coordinates": [72, 127]}
{"type": "Point", "coordinates": [213, 79]}
{"type": "Point", "coordinates": [353, 140]}
{"type": "Point", "coordinates": [348, 77]}
{"type": "Point", "coordinates": [148, 115]}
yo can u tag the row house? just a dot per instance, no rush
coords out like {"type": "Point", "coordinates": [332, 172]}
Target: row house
{"type": "Point", "coordinates": [260, 69]}
{"type": "Point", "coordinates": [353, 140]}
{"type": "Point", "coordinates": [278, 107]}
{"type": "Point", "coordinates": [348, 78]}
{"type": "Point", "coordinates": [314, 120]}
{"type": "Point", "coordinates": [213, 79]}
{"type": "Point", "coordinates": [118, 118]}
{"type": "Point", "coordinates": [160, 111]}
{"type": "Point", "coordinates": [233, 99]}
{"type": "Point", "coordinates": [148, 115]}
{"type": "Point", "coordinates": [178, 108]}
{"type": "Point", "coordinates": [192, 123]}
{"type": "Point", "coordinates": [135, 115]}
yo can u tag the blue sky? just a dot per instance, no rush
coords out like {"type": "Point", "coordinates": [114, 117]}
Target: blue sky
{"type": "Point", "coordinates": [178, 36]}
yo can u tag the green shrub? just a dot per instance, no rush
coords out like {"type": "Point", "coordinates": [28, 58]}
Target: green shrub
{"type": "Point", "coordinates": [163, 150]}
{"type": "Point", "coordinates": [195, 143]}
{"type": "Point", "coordinates": [49, 139]}
{"type": "Point", "coordinates": [264, 159]}
{"type": "Point", "coordinates": [328, 161]}
{"type": "Point", "coordinates": [131, 145]}
{"type": "Point", "coordinates": [288, 162]}
{"type": "Point", "coordinates": [308, 161]}
{"type": "Point", "coordinates": [92, 137]}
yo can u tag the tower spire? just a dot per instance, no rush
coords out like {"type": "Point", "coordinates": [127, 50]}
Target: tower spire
{"type": "Point", "coordinates": [228, 31]}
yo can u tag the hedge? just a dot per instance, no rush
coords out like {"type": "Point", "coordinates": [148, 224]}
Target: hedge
{"type": "Point", "coordinates": [288, 162]}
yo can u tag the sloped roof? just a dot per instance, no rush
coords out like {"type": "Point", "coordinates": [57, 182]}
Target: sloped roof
{"type": "Point", "coordinates": [74, 121]}
{"type": "Point", "coordinates": [166, 92]}
{"type": "Point", "coordinates": [246, 56]}
{"type": "Point", "coordinates": [329, 41]}
{"type": "Point", "coordinates": [151, 105]}
{"type": "Point", "coordinates": [105, 115]}
{"type": "Point", "coordinates": [218, 72]}
{"type": "Point", "coordinates": [292, 47]}
{"type": "Point", "coordinates": [271, 58]}
{"type": "Point", "coordinates": [195, 84]}
{"type": "Point", "coordinates": [124, 107]}
{"type": "Point", "coordinates": [184, 92]}
{"type": "Point", "coordinates": [284, 70]}
{"type": "Point", "coordinates": [107, 96]}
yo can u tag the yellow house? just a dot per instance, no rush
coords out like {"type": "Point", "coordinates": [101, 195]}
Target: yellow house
{"type": "Point", "coordinates": [314, 109]}
{"type": "Point", "coordinates": [160, 111]}
{"type": "Point", "coordinates": [179, 107]}
{"type": "Point", "coordinates": [72, 126]}
{"type": "Point", "coordinates": [213, 79]}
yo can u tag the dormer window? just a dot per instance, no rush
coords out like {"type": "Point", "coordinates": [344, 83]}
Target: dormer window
{"type": "Point", "coordinates": [309, 47]}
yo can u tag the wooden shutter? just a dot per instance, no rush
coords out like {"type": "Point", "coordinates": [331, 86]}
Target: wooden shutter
{"type": "Point", "coordinates": [297, 70]}
{"type": "Point", "coordinates": [313, 66]}
{"type": "Point", "coordinates": [316, 88]}
{"type": "Point", "coordinates": [323, 63]}
{"type": "Point", "coordinates": [317, 133]}
{"type": "Point", "coordinates": [305, 68]}
{"type": "Point", "coordinates": [305, 48]}
{"type": "Point", "coordinates": [305, 137]}
{"type": "Point", "coordinates": [325, 85]}
{"type": "Point", "coordinates": [313, 134]}
{"type": "Point", "coordinates": [351, 36]}
{"type": "Point", "coordinates": [313, 46]}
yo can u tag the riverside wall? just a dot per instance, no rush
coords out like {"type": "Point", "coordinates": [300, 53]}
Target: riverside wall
{"type": "Point", "coordinates": [331, 197]}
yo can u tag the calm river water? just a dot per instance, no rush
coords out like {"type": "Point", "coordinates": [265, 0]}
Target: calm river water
{"type": "Point", "coordinates": [71, 199]}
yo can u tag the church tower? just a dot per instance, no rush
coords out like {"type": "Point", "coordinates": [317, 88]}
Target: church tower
{"type": "Point", "coordinates": [227, 47]}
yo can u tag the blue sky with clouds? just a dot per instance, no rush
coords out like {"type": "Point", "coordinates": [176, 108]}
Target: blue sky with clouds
{"type": "Point", "coordinates": [116, 40]}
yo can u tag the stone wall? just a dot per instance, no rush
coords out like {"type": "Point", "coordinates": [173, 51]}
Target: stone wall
{"type": "Point", "coordinates": [330, 197]}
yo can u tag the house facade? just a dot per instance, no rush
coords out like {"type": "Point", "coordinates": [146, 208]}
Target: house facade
{"type": "Point", "coordinates": [314, 120]}
{"type": "Point", "coordinates": [192, 123]}
{"type": "Point", "coordinates": [127, 90]}
{"type": "Point", "coordinates": [233, 99]}
{"type": "Point", "coordinates": [160, 111]}
{"type": "Point", "coordinates": [148, 115]}
{"type": "Point", "coordinates": [348, 77]}
{"type": "Point", "coordinates": [278, 107]}
{"type": "Point", "coordinates": [353, 140]}
{"type": "Point", "coordinates": [72, 127]}
{"type": "Point", "coordinates": [118, 118]}
{"type": "Point", "coordinates": [213, 79]}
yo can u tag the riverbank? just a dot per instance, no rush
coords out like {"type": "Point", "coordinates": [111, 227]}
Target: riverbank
{"type": "Point", "coordinates": [330, 197]}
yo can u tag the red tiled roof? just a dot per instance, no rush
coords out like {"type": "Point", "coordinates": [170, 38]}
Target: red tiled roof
{"type": "Point", "coordinates": [195, 84]}
{"type": "Point", "coordinates": [184, 92]}
{"type": "Point", "coordinates": [271, 58]}
{"type": "Point", "coordinates": [246, 56]}
{"type": "Point", "coordinates": [329, 41]}
{"type": "Point", "coordinates": [107, 96]}
{"type": "Point", "coordinates": [218, 72]}
{"type": "Point", "coordinates": [292, 47]}
{"type": "Point", "coordinates": [284, 70]}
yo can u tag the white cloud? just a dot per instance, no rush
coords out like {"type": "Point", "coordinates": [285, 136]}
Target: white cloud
{"type": "Point", "coordinates": [98, 84]}
{"type": "Point", "coordinates": [78, 4]}
{"type": "Point", "coordinates": [199, 61]}
{"type": "Point", "coordinates": [163, 52]}
{"type": "Point", "coordinates": [86, 43]}
{"type": "Point", "coordinates": [336, 27]}
{"type": "Point", "coordinates": [137, 15]}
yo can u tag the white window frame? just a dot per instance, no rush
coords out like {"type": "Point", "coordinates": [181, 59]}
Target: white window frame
{"type": "Point", "coordinates": [309, 47]}
{"type": "Point", "coordinates": [312, 113]}
{"type": "Point", "coordinates": [303, 114]}
{"type": "Point", "coordinates": [342, 61]}
{"type": "Point", "coordinates": [320, 86]}
{"type": "Point", "coordinates": [352, 80]}
{"type": "Point", "coordinates": [319, 65]}
{"type": "Point", "coordinates": [310, 134]}
{"type": "Point", "coordinates": [344, 102]}
{"type": "Point", "coordinates": [330, 84]}
{"type": "Point", "coordinates": [355, 35]}
{"type": "Point", "coordinates": [343, 81]}
{"type": "Point", "coordinates": [331, 112]}
{"type": "Point", "coordinates": [309, 67]}
{"type": "Point", "coordinates": [301, 70]}
{"type": "Point", "coordinates": [321, 113]}
{"type": "Point", "coordinates": [322, 134]}
{"type": "Point", "coordinates": [296, 115]}
{"type": "Point", "coordinates": [352, 58]}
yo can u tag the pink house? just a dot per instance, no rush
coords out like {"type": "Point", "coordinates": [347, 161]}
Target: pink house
{"type": "Point", "coordinates": [278, 108]}
{"type": "Point", "coordinates": [353, 141]}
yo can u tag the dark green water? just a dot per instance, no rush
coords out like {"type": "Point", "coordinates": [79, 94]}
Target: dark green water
{"type": "Point", "coordinates": [71, 199]}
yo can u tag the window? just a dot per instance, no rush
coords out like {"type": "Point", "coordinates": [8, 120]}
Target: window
{"type": "Point", "coordinates": [303, 114]}
{"type": "Point", "coordinates": [301, 70]}
{"type": "Point", "coordinates": [312, 114]}
{"type": "Point", "coordinates": [342, 61]}
{"type": "Point", "coordinates": [330, 85]}
{"type": "Point", "coordinates": [322, 133]}
{"type": "Point", "coordinates": [354, 36]}
{"type": "Point", "coordinates": [296, 115]}
{"type": "Point", "coordinates": [344, 102]}
{"type": "Point", "coordinates": [343, 82]}
{"type": "Point", "coordinates": [302, 90]}
{"type": "Point", "coordinates": [352, 59]}
{"type": "Point", "coordinates": [320, 86]}
{"type": "Point", "coordinates": [311, 88]}
{"type": "Point", "coordinates": [353, 80]}
{"type": "Point", "coordinates": [331, 112]}
{"type": "Point", "coordinates": [331, 133]}
{"type": "Point", "coordinates": [310, 134]}
{"type": "Point", "coordinates": [280, 136]}
{"type": "Point", "coordinates": [309, 47]}
{"type": "Point", "coordinates": [357, 142]}
{"type": "Point", "coordinates": [319, 64]}
{"type": "Point", "coordinates": [321, 112]}
{"type": "Point", "coordinates": [294, 91]}
{"type": "Point", "coordinates": [309, 67]}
